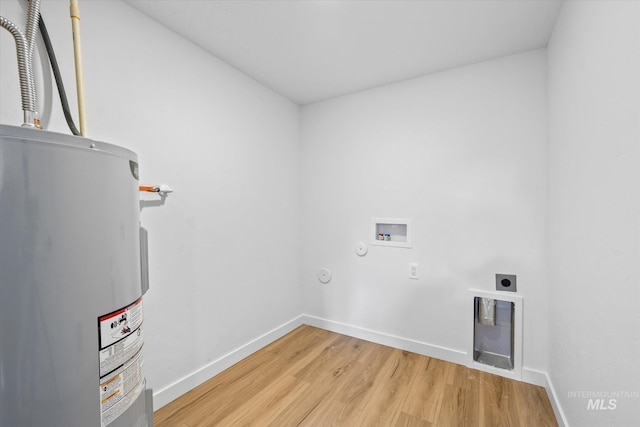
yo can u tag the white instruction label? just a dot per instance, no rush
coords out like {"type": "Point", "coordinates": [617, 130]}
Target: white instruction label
{"type": "Point", "coordinates": [120, 353]}
{"type": "Point", "coordinates": [120, 323]}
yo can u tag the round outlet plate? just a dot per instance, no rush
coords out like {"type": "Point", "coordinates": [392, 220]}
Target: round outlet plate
{"type": "Point", "coordinates": [361, 249]}
{"type": "Point", "coordinates": [324, 275]}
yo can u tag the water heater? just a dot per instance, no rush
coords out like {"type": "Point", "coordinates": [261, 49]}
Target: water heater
{"type": "Point", "coordinates": [71, 309]}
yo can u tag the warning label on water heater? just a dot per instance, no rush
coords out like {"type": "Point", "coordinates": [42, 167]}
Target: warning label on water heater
{"type": "Point", "coordinates": [121, 339]}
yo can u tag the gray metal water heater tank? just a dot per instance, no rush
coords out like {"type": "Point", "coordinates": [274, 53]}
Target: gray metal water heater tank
{"type": "Point", "coordinates": [71, 317]}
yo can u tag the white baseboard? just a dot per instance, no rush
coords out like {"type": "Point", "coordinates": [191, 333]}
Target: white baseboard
{"type": "Point", "coordinates": [540, 378]}
{"type": "Point", "coordinates": [183, 385]}
{"type": "Point", "coordinates": [533, 376]}
{"type": "Point", "coordinates": [438, 352]}
{"type": "Point", "coordinates": [529, 375]}
{"type": "Point", "coordinates": [194, 379]}
{"type": "Point", "coordinates": [555, 402]}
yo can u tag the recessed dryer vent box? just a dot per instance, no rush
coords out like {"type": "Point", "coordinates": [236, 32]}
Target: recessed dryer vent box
{"type": "Point", "coordinates": [391, 232]}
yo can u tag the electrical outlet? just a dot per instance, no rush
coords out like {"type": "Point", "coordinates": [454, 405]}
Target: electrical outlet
{"type": "Point", "coordinates": [506, 282]}
{"type": "Point", "coordinates": [413, 270]}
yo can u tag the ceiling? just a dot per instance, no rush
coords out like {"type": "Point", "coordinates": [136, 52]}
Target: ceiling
{"type": "Point", "coordinates": [313, 50]}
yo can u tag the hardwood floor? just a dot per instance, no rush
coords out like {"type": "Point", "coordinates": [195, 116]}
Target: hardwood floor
{"type": "Point", "coordinates": [313, 377]}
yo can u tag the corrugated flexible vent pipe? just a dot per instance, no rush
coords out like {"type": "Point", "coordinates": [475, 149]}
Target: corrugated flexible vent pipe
{"type": "Point", "coordinates": [25, 44]}
{"type": "Point", "coordinates": [30, 33]}
{"type": "Point", "coordinates": [21, 51]}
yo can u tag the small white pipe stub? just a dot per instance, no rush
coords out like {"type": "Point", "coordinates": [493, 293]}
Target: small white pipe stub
{"type": "Point", "coordinates": [164, 190]}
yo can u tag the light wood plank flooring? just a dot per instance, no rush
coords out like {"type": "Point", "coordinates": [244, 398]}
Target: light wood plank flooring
{"type": "Point", "coordinates": [313, 377]}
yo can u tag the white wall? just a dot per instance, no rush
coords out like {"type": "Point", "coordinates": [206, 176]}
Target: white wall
{"type": "Point", "coordinates": [224, 249]}
{"type": "Point", "coordinates": [463, 154]}
{"type": "Point", "coordinates": [594, 257]}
